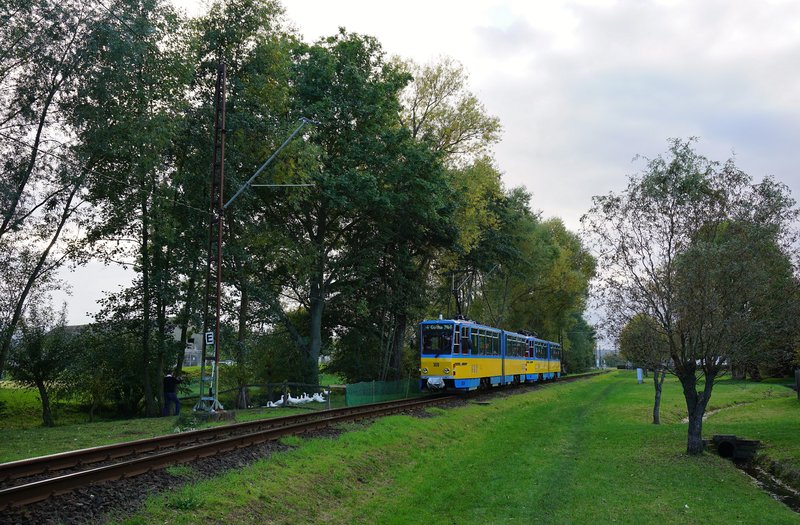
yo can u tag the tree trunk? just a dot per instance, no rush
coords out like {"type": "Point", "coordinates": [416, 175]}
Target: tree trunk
{"type": "Point", "coordinates": [38, 271]}
{"type": "Point", "coordinates": [47, 416]}
{"type": "Point", "coordinates": [315, 343]}
{"type": "Point", "coordinates": [160, 264]}
{"type": "Point", "coordinates": [696, 403]}
{"type": "Point", "coordinates": [17, 195]}
{"type": "Point", "coordinates": [149, 404]}
{"type": "Point", "coordinates": [755, 373]}
{"type": "Point", "coordinates": [92, 408]}
{"type": "Point", "coordinates": [694, 444]}
{"type": "Point", "coordinates": [242, 400]}
{"type": "Point", "coordinates": [399, 344]}
{"type": "Point", "coordinates": [658, 384]}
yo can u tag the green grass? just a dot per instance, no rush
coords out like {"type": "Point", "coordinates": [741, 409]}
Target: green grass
{"type": "Point", "coordinates": [775, 421]}
{"type": "Point", "coordinates": [582, 452]}
{"type": "Point", "coordinates": [21, 408]}
{"type": "Point", "coordinates": [20, 442]}
{"type": "Point", "coordinates": [23, 435]}
{"type": "Point", "coordinates": [330, 379]}
{"type": "Point", "coordinates": [181, 471]}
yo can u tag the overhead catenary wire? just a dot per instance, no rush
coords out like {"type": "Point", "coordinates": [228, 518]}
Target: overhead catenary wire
{"type": "Point", "coordinates": [249, 182]}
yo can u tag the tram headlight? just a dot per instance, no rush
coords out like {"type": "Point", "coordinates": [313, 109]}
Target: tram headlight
{"type": "Point", "coordinates": [446, 371]}
{"type": "Point", "coordinates": [424, 370]}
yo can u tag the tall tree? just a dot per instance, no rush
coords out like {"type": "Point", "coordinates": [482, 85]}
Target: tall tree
{"type": "Point", "coordinates": [536, 273]}
{"type": "Point", "coordinates": [582, 342]}
{"type": "Point", "coordinates": [126, 110]}
{"type": "Point", "coordinates": [43, 47]}
{"type": "Point", "coordinates": [360, 158]}
{"type": "Point", "coordinates": [670, 252]}
{"type": "Point", "coordinates": [249, 36]}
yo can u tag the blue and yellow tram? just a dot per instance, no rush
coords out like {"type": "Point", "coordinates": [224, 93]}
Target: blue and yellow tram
{"type": "Point", "coordinates": [544, 360]}
{"type": "Point", "coordinates": [458, 354]}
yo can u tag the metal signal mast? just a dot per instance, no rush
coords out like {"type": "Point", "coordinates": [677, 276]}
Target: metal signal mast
{"type": "Point", "coordinates": [209, 383]}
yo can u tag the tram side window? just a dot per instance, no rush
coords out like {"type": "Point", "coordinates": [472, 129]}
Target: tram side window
{"type": "Point", "coordinates": [541, 350]}
{"type": "Point", "coordinates": [466, 342]}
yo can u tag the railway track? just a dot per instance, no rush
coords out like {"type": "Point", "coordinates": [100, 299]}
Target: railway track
{"type": "Point", "coordinates": [36, 479]}
{"type": "Point", "coordinates": [125, 460]}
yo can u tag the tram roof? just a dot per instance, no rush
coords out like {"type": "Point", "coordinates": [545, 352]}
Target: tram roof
{"type": "Point", "coordinates": [469, 322]}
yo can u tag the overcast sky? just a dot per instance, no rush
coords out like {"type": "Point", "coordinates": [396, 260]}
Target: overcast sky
{"type": "Point", "coordinates": [582, 87]}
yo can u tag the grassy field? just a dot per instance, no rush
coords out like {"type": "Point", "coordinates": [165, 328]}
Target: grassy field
{"type": "Point", "coordinates": [582, 452]}
{"type": "Point", "coordinates": [23, 435]}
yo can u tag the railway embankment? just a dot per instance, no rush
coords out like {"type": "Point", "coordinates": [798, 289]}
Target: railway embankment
{"type": "Point", "coordinates": [581, 452]}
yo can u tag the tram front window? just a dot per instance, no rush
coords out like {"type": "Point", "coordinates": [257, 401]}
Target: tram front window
{"type": "Point", "coordinates": [437, 339]}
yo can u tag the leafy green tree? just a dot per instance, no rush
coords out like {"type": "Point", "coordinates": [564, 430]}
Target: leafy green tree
{"type": "Point", "coordinates": [126, 109]}
{"type": "Point", "coordinates": [641, 343]}
{"type": "Point", "coordinates": [582, 339]}
{"type": "Point", "coordinates": [375, 317]}
{"type": "Point", "coordinates": [773, 313]}
{"type": "Point", "coordinates": [362, 163]}
{"type": "Point", "coordinates": [614, 359]}
{"type": "Point", "coordinates": [276, 354]}
{"type": "Point", "coordinates": [43, 48]}
{"type": "Point", "coordinates": [736, 287]}
{"type": "Point", "coordinates": [670, 252]}
{"type": "Point", "coordinates": [103, 373]}
{"type": "Point", "coordinates": [536, 272]}
{"type": "Point", "coordinates": [41, 354]}
{"type": "Point", "coordinates": [438, 108]}
{"type": "Point", "coordinates": [250, 38]}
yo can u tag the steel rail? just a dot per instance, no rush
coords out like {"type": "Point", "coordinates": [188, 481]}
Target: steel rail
{"type": "Point", "coordinates": [257, 432]}
{"type": "Point", "coordinates": [78, 458]}
{"type": "Point", "coordinates": [88, 456]}
{"type": "Point", "coordinates": [28, 493]}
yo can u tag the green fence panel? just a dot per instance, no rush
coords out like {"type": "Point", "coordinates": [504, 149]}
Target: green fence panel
{"type": "Point", "coordinates": [377, 391]}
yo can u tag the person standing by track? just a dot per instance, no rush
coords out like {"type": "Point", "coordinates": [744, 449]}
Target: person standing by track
{"type": "Point", "coordinates": [171, 394]}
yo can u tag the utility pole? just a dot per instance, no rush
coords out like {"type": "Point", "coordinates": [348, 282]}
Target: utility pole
{"type": "Point", "coordinates": [209, 383]}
